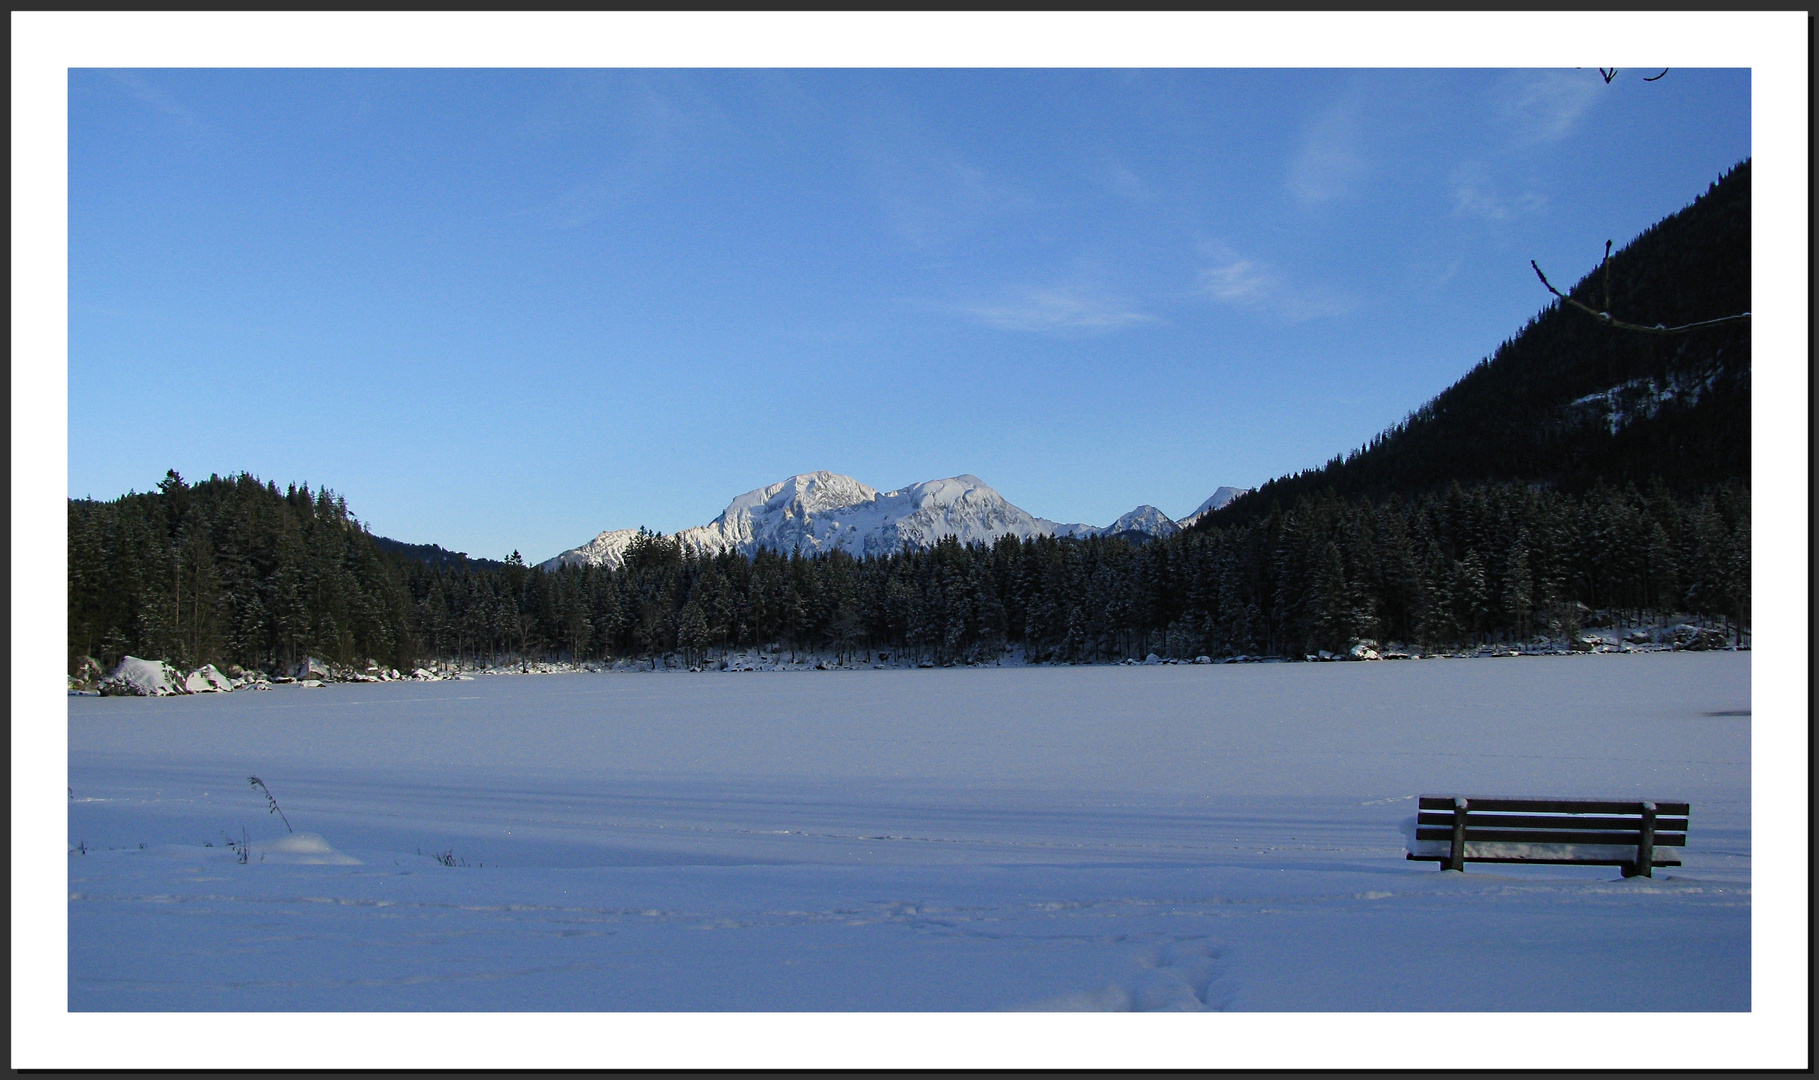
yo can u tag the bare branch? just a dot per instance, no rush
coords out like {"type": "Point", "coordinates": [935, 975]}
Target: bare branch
{"type": "Point", "coordinates": [1607, 275]}
{"type": "Point", "coordinates": [1605, 316]}
{"type": "Point", "coordinates": [1611, 73]}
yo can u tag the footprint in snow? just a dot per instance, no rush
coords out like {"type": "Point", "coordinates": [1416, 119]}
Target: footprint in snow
{"type": "Point", "coordinates": [1180, 976]}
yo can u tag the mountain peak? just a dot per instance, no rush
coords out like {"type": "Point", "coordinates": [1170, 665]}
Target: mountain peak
{"type": "Point", "coordinates": [1216, 501]}
{"type": "Point", "coordinates": [827, 511]}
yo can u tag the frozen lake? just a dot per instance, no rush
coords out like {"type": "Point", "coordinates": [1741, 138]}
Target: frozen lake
{"type": "Point", "coordinates": [1180, 838]}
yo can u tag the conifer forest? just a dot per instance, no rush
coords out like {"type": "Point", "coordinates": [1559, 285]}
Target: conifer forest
{"type": "Point", "coordinates": [235, 571]}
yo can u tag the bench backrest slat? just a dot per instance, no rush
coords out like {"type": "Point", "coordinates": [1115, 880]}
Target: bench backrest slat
{"type": "Point", "coordinates": [1504, 803]}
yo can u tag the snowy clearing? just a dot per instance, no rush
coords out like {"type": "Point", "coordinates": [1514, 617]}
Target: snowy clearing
{"type": "Point", "coordinates": [1162, 838]}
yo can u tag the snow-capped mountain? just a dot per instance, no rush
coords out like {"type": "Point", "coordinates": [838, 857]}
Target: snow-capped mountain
{"type": "Point", "coordinates": [1218, 499]}
{"type": "Point", "coordinates": [1144, 519]}
{"type": "Point", "coordinates": [824, 511]}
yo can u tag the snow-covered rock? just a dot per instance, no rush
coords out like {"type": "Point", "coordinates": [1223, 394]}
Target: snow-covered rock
{"type": "Point", "coordinates": [1215, 501]}
{"type": "Point", "coordinates": [312, 668]}
{"type": "Point", "coordinates": [1699, 638]}
{"type": "Point", "coordinates": [207, 680]}
{"type": "Point", "coordinates": [824, 511]}
{"type": "Point", "coordinates": [142, 678]}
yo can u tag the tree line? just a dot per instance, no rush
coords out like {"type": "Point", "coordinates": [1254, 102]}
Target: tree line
{"type": "Point", "coordinates": [234, 571]}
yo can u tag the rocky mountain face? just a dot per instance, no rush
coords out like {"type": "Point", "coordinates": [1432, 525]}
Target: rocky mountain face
{"type": "Point", "coordinates": [824, 511]}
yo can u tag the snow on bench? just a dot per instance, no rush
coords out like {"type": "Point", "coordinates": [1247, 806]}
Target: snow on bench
{"type": "Point", "coordinates": [1455, 829]}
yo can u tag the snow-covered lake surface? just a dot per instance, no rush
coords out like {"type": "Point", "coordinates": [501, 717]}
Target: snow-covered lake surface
{"type": "Point", "coordinates": [1165, 838]}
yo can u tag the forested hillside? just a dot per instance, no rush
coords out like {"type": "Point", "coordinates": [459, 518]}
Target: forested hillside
{"type": "Point", "coordinates": [1571, 402]}
{"type": "Point", "coordinates": [232, 570]}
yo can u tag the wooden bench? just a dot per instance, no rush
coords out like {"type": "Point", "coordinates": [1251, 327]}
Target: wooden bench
{"type": "Point", "coordinates": [1587, 832]}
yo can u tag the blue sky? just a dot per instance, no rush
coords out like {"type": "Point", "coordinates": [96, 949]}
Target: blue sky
{"type": "Point", "coordinates": [508, 309]}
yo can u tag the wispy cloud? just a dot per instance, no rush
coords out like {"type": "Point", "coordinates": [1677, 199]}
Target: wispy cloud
{"type": "Point", "coordinates": [1331, 160]}
{"type": "Point", "coordinates": [642, 125]}
{"type": "Point", "coordinates": [1062, 310]}
{"type": "Point", "coordinates": [1476, 194]}
{"type": "Point", "coordinates": [933, 201]}
{"type": "Point", "coordinates": [1121, 180]}
{"type": "Point", "coordinates": [1546, 106]}
{"type": "Point", "coordinates": [1243, 282]}
{"type": "Point", "coordinates": [150, 93]}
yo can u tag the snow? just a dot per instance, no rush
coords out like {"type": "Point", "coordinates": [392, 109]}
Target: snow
{"type": "Point", "coordinates": [1641, 398]}
{"type": "Point", "coordinates": [824, 511]}
{"type": "Point", "coordinates": [302, 849]}
{"type": "Point", "coordinates": [1215, 501]}
{"type": "Point", "coordinates": [1146, 519]}
{"type": "Point", "coordinates": [207, 680]}
{"type": "Point", "coordinates": [1163, 837]}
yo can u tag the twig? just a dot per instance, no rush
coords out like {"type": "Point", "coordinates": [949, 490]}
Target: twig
{"type": "Point", "coordinates": [1611, 73]}
{"type": "Point", "coordinates": [254, 781]}
{"type": "Point", "coordinates": [1605, 316]}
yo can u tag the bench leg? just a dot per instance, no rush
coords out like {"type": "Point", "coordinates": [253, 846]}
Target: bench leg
{"type": "Point", "coordinates": [1645, 849]}
{"type": "Point", "coordinates": [1456, 859]}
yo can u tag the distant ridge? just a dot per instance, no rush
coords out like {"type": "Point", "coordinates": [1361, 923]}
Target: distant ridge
{"type": "Point", "coordinates": [825, 511]}
{"type": "Point", "coordinates": [434, 554]}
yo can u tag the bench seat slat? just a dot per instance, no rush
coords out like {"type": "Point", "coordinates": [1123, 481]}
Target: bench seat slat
{"type": "Point", "coordinates": [1524, 836]}
{"type": "Point", "coordinates": [1495, 803]}
{"type": "Point", "coordinates": [1540, 821]}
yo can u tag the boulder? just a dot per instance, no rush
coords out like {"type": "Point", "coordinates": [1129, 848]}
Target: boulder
{"type": "Point", "coordinates": [207, 680]}
{"type": "Point", "coordinates": [1700, 638]}
{"type": "Point", "coordinates": [1364, 650]}
{"type": "Point", "coordinates": [87, 674]}
{"type": "Point", "coordinates": [311, 668]}
{"type": "Point", "coordinates": [141, 678]}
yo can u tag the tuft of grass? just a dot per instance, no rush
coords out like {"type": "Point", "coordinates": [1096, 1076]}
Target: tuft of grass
{"type": "Point", "coordinates": [449, 858]}
{"type": "Point", "coordinates": [241, 848]}
{"type": "Point", "coordinates": [270, 802]}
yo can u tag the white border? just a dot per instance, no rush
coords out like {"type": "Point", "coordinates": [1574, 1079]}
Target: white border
{"type": "Point", "coordinates": [45, 45]}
